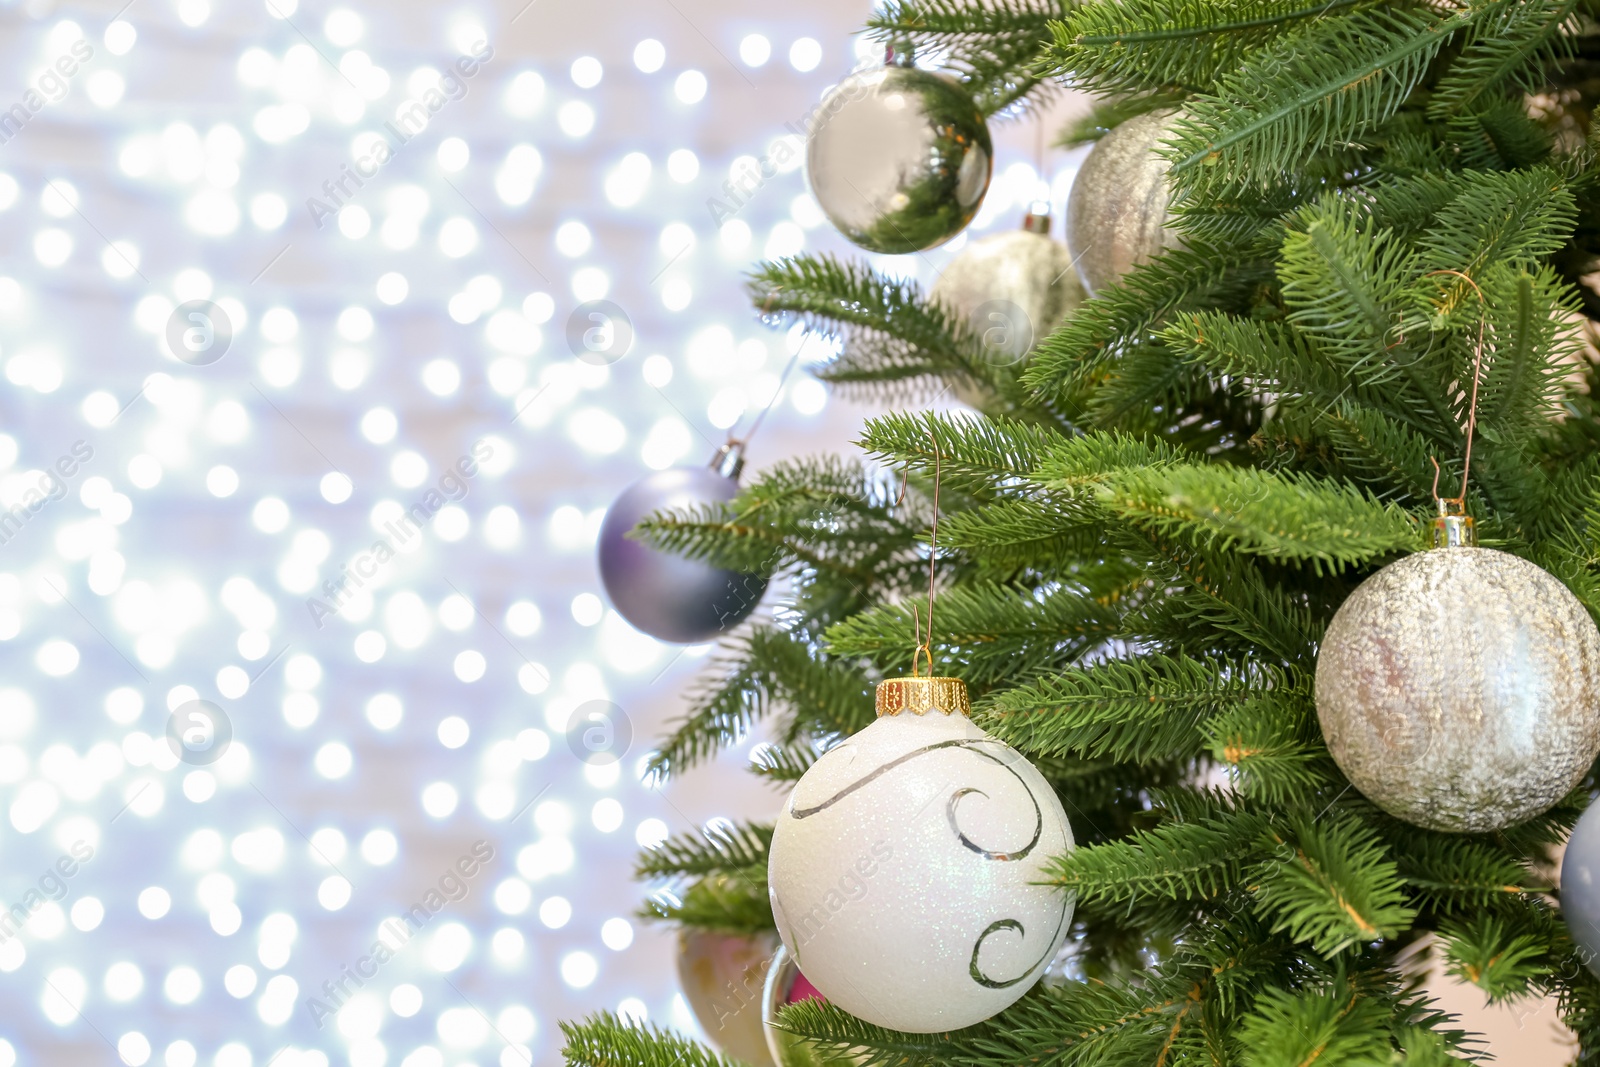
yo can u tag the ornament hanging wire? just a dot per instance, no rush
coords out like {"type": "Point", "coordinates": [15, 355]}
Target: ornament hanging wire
{"type": "Point", "coordinates": [1460, 502]}
{"type": "Point", "coordinates": [924, 647]}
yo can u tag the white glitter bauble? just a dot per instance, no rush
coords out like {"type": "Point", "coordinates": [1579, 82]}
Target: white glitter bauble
{"type": "Point", "coordinates": [1117, 210]}
{"type": "Point", "coordinates": [899, 158]}
{"type": "Point", "coordinates": [1011, 289]}
{"type": "Point", "coordinates": [1459, 689]}
{"type": "Point", "coordinates": [901, 865]}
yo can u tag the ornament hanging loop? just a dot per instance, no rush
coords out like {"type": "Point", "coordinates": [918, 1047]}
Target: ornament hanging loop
{"type": "Point", "coordinates": [729, 460]}
{"type": "Point", "coordinates": [1472, 407]}
{"type": "Point", "coordinates": [922, 650]}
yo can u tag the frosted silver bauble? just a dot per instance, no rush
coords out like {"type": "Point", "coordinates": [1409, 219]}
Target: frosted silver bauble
{"type": "Point", "coordinates": [1011, 289]}
{"type": "Point", "coordinates": [1580, 887]}
{"type": "Point", "coordinates": [1117, 210]}
{"type": "Point", "coordinates": [1459, 689]}
{"type": "Point", "coordinates": [724, 978]}
{"type": "Point", "coordinates": [902, 866]}
{"type": "Point", "coordinates": [668, 596]}
{"type": "Point", "coordinates": [899, 158]}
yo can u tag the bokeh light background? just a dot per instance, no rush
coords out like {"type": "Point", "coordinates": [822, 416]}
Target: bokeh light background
{"type": "Point", "coordinates": [372, 752]}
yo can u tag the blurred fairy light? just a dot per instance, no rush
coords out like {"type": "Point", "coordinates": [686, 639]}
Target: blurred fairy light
{"type": "Point", "coordinates": [421, 326]}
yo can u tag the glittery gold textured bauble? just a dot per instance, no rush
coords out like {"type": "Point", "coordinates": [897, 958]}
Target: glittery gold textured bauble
{"type": "Point", "coordinates": [1459, 689]}
{"type": "Point", "coordinates": [1117, 211]}
{"type": "Point", "coordinates": [785, 986]}
{"type": "Point", "coordinates": [724, 979]}
{"type": "Point", "coordinates": [1011, 289]}
{"type": "Point", "coordinates": [899, 158]}
{"type": "Point", "coordinates": [904, 865]}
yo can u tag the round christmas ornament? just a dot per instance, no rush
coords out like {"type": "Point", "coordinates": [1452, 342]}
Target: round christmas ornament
{"type": "Point", "coordinates": [1580, 887]}
{"type": "Point", "coordinates": [785, 986]}
{"type": "Point", "coordinates": [901, 866]}
{"type": "Point", "coordinates": [899, 158]}
{"type": "Point", "coordinates": [684, 601]}
{"type": "Point", "coordinates": [1459, 688]}
{"type": "Point", "coordinates": [1011, 289]}
{"type": "Point", "coordinates": [724, 979]}
{"type": "Point", "coordinates": [1117, 210]}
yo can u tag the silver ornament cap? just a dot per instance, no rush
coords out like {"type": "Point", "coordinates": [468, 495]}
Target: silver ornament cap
{"type": "Point", "coordinates": [1459, 688]}
{"type": "Point", "coordinates": [899, 158]}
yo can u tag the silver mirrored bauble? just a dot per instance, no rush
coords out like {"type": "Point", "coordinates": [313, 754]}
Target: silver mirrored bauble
{"type": "Point", "coordinates": [785, 986]}
{"type": "Point", "coordinates": [1580, 887]}
{"type": "Point", "coordinates": [669, 597]}
{"type": "Point", "coordinates": [899, 158]}
{"type": "Point", "coordinates": [1011, 289]}
{"type": "Point", "coordinates": [1459, 689]}
{"type": "Point", "coordinates": [724, 979]}
{"type": "Point", "coordinates": [1117, 210]}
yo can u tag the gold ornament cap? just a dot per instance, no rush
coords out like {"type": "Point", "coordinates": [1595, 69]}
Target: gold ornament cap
{"type": "Point", "coordinates": [1454, 528]}
{"type": "Point", "coordinates": [919, 696]}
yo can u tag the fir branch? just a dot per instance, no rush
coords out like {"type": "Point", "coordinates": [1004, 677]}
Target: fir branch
{"type": "Point", "coordinates": [736, 903]}
{"type": "Point", "coordinates": [1346, 284]}
{"type": "Point", "coordinates": [1498, 135]}
{"type": "Point", "coordinates": [1075, 356]}
{"type": "Point", "coordinates": [983, 634]}
{"type": "Point", "coordinates": [1179, 861]}
{"type": "Point", "coordinates": [1333, 886]}
{"type": "Point", "coordinates": [1148, 45]}
{"type": "Point", "coordinates": [994, 45]}
{"type": "Point", "coordinates": [719, 848]}
{"type": "Point", "coordinates": [784, 764]}
{"type": "Point", "coordinates": [1503, 219]}
{"type": "Point", "coordinates": [1221, 604]}
{"type": "Point", "coordinates": [1528, 357]}
{"type": "Point", "coordinates": [1278, 516]}
{"type": "Point", "coordinates": [1485, 951]}
{"type": "Point", "coordinates": [1326, 84]}
{"type": "Point", "coordinates": [1046, 519]}
{"type": "Point", "coordinates": [1329, 1024]}
{"type": "Point", "coordinates": [971, 453]}
{"type": "Point", "coordinates": [1085, 462]}
{"type": "Point", "coordinates": [832, 297]}
{"type": "Point", "coordinates": [766, 668]}
{"type": "Point", "coordinates": [1276, 746]}
{"type": "Point", "coordinates": [1457, 875]}
{"type": "Point", "coordinates": [1516, 43]}
{"type": "Point", "coordinates": [1138, 709]}
{"type": "Point", "coordinates": [605, 1040]}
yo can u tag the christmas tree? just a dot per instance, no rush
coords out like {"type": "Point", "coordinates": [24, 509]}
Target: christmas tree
{"type": "Point", "coordinates": [1383, 212]}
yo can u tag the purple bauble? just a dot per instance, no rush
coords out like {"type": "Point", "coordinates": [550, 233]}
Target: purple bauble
{"type": "Point", "coordinates": [1580, 887]}
{"type": "Point", "coordinates": [669, 597]}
